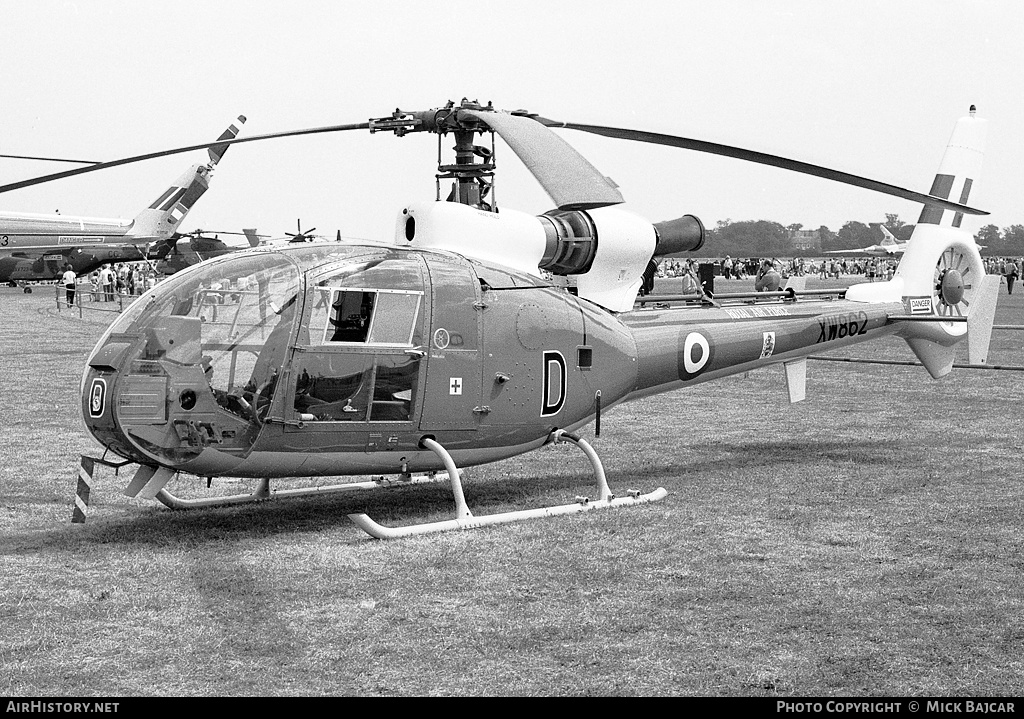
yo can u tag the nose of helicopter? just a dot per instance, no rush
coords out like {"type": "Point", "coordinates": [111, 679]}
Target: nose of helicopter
{"type": "Point", "coordinates": [185, 376]}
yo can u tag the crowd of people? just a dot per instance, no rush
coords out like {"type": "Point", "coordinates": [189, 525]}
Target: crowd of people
{"type": "Point", "coordinates": [1009, 267]}
{"type": "Point", "coordinates": [872, 268]}
{"type": "Point", "coordinates": [110, 281]}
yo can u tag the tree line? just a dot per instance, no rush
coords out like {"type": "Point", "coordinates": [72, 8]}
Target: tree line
{"type": "Point", "coordinates": [764, 238]}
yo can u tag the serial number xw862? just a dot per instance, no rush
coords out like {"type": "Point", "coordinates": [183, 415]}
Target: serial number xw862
{"type": "Point", "coordinates": [840, 326]}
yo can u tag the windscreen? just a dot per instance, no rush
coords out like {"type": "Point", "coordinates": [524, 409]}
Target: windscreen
{"type": "Point", "coordinates": [245, 305]}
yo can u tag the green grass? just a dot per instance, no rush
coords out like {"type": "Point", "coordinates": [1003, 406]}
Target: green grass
{"type": "Point", "coordinates": [865, 542]}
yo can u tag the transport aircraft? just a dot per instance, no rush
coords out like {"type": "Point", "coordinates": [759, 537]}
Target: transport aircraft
{"type": "Point", "coordinates": [888, 247]}
{"type": "Point", "coordinates": [37, 247]}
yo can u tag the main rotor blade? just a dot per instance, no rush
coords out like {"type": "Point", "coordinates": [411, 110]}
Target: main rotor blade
{"type": "Point", "coordinates": [762, 158]}
{"type": "Point", "coordinates": [571, 181]}
{"type": "Point", "coordinates": [219, 143]}
{"type": "Point", "coordinates": [51, 159]}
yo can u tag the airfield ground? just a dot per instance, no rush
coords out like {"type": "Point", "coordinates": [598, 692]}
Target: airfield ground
{"type": "Point", "coordinates": [865, 542]}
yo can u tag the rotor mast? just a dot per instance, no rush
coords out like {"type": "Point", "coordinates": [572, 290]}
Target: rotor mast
{"type": "Point", "coordinates": [473, 171]}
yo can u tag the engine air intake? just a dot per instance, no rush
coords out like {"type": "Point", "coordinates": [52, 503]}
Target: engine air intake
{"type": "Point", "coordinates": [571, 242]}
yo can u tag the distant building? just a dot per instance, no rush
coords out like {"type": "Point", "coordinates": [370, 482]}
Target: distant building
{"type": "Point", "coordinates": [805, 240]}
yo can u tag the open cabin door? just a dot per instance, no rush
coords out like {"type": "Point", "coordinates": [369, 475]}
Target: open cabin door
{"type": "Point", "coordinates": [357, 368]}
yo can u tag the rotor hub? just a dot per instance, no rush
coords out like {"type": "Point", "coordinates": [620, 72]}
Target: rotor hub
{"type": "Point", "coordinates": [951, 287]}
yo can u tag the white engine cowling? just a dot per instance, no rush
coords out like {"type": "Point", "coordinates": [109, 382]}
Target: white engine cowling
{"type": "Point", "coordinates": [513, 239]}
{"type": "Point", "coordinates": [604, 251]}
{"type": "Point", "coordinates": [625, 243]}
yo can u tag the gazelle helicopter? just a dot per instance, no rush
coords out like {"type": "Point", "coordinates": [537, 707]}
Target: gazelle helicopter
{"type": "Point", "coordinates": [480, 334]}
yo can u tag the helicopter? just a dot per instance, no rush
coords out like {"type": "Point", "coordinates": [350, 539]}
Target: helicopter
{"type": "Point", "coordinates": [175, 254]}
{"type": "Point", "coordinates": [479, 334]}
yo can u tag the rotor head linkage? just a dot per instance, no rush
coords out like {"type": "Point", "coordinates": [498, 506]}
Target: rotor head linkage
{"type": "Point", "coordinates": [473, 171]}
{"type": "Point", "coordinates": [440, 120]}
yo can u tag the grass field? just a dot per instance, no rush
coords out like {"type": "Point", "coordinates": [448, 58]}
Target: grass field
{"type": "Point", "coordinates": [865, 542]}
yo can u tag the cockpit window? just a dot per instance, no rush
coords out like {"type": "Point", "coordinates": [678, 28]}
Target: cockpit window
{"type": "Point", "coordinates": [376, 317]}
{"type": "Point", "coordinates": [351, 312]}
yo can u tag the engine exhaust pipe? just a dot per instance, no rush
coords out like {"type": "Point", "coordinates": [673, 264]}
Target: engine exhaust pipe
{"type": "Point", "coordinates": [685, 234]}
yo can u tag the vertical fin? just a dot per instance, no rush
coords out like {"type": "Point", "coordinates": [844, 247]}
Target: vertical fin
{"type": "Point", "coordinates": [958, 172]}
{"type": "Point", "coordinates": [796, 379]}
{"type": "Point", "coordinates": [251, 236]}
{"type": "Point", "coordinates": [981, 318]}
{"type": "Point", "coordinates": [161, 219]}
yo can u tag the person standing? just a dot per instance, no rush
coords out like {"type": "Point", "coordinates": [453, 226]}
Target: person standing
{"type": "Point", "coordinates": [1011, 272]}
{"type": "Point", "coordinates": [107, 280]}
{"type": "Point", "coordinates": [70, 281]}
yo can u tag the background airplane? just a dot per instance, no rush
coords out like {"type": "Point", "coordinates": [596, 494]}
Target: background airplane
{"type": "Point", "coordinates": [890, 247]}
{"type": "Point", "coordinates": [39, 247]}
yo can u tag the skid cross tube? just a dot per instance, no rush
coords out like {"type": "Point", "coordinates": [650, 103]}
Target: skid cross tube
{"type": "Point", "coordinates": [464, 519]}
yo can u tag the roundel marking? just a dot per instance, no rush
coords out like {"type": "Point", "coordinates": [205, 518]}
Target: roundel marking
{"type": "Point", "coordinates": [441, 338]}
{"type": "Point", "coordinates": [97, 397]}
{"type": "Point", "coordinates": [695, 356]}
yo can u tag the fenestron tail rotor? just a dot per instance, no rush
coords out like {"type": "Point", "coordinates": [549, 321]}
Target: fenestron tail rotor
{"type": "Point", "coordinates": [954, 283]}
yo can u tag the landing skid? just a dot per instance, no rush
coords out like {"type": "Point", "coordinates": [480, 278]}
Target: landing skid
{"type": "Point", "coordinates": [149, 483]}
{"type": "Point", "coordinates": [263, 492]}
{"type": "Point", "coordinates": [464, 519]}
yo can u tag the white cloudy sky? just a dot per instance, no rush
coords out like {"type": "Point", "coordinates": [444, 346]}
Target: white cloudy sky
{"type": "Point", "coordinates": [869, 87]}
